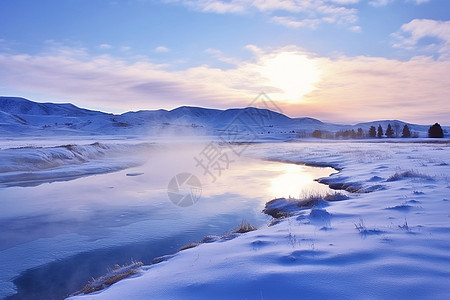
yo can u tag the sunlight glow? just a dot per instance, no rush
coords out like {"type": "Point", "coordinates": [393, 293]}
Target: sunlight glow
{"type": "Point", "coordinates": [292, 73]}
{"type": "Point", "coordinates": [295, 181]}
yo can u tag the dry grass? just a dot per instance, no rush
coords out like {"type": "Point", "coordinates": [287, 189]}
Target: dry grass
{"type": "Point", "coordinates": [408, 174]}
{"type": "Point", "coordinates": [363, 230]}
{"type": "Point", "coordinates": [404, 226]}
{"type": "Point", "coordinates": [244, 227]}
{"type": "Point", "coordinates": [335, 197]}
{"type": "Point", "coordinates": [188, 246]}
{"type": "Point", "coordinates": [113, 276]}
{"type": "Point", "coordinates": [283, 208]}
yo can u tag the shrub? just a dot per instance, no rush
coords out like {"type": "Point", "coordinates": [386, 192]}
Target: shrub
{"type": "Point", "coordinates": [435, 131]}
{"type": "Point", "coordinates": [317, 134]}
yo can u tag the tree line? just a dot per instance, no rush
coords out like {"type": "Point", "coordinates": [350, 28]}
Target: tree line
{"type": "Point", "coordinates": [434, 131]}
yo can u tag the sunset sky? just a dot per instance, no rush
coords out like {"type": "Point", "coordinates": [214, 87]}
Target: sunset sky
{"type": "Point", "coordinates": [341, 61]}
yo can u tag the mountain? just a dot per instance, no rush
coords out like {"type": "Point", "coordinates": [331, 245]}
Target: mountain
{"type": "Point", "coordinates": [21, 106]}
{"type": "Point", "coordinates": [22, 117]}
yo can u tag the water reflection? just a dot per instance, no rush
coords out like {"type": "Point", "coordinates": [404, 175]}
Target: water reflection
{"type": "Point", "coordinates": [58, 221]}
{"type": "Point", "coordinates": [297, 181]}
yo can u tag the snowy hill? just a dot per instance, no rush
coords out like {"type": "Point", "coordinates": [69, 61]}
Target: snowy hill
{"type": "Point", "coordinates": [21, 106]}
{"type": "Point", "coordinates": [19, 116]}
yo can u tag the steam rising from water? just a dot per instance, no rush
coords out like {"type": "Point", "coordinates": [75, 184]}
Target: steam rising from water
{"type": "Point", "coordinates": [115, 213]}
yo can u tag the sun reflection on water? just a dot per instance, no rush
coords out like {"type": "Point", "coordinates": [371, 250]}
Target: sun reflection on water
{"type": "Point", "coordinates": [297, 181]}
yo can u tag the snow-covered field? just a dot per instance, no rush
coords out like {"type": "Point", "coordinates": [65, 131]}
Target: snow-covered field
{"type": "Point", "coordinates": [390, 240]}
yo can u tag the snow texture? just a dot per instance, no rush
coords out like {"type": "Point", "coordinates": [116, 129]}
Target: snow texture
{"type": "Point", "coordinates": [30, 166]}
{"type": "Point", "coordinates": [382, 243]}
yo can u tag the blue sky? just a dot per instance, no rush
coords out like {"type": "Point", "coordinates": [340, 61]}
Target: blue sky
{"type": "Point", "coordinates": [337, 60]}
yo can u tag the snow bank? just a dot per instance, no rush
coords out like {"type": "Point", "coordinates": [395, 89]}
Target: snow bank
{"type": "Point", "coordinates": [390, 243]}
{"type": "Point", "coordinates": [118, 273]}
{"type": "Point", "coordinates": [33, 165]}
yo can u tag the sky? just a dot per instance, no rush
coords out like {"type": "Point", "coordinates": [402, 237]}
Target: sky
{"type": "Point", "coordinates": [342, 61]}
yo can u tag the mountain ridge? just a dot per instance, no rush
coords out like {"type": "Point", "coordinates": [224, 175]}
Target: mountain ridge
{"type": "Point", "coordinates": [20, 115]}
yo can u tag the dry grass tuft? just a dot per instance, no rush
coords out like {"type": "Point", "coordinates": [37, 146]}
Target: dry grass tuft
{"type": "Point", "coordinates": [408, 174]}
{"type": "Point", "coordinates": [244, 227]}
{"type": "Point", "coordinates": [113, 276]}
{"type": "Point", "coordinates": [188, 246]}
{"type": "Point", "coordinates": [282, 208]}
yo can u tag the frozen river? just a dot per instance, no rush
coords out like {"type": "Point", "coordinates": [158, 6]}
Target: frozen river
{"type": "Point", "coordinates": [57, 235]}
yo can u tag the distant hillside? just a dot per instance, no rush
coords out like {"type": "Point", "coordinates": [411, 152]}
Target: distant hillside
{"type": "Point", "coordinates": [22, 117]}
{"type": "Point", "coordinates": [21, 106]}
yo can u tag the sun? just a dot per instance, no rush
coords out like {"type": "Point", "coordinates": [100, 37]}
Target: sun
{"type": "Point", "coordinates": [292, 74]}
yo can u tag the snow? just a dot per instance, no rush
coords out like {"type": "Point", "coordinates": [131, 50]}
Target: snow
{"type": "Point", "coordinates": [390, 239]}
{"type": "Point", "coordinates": [28, 166]}
{"type": "Point", "coordinates": [382, 243]}
{"type": "Point", "coordinates": [18, 115]}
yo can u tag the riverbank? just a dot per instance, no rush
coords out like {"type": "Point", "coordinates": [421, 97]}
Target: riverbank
{"type": "Point", "coordinates": [389, 240]}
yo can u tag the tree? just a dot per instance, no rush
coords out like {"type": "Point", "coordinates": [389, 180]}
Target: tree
{"type": "Point", "coordinates": [372, 132]}
{"type": "Point", "coordinates": [389, 131]}
{"type": "Point", "coordinates": [380, 131]}
{"type": "Point", "coordinates": [360, 133]}
{"type": "Point", "coordinates": [406, 133]}
{"type": "Point", "coordinates": [435, 131]}
{"type": "Point", "coordinates": [317, 134]}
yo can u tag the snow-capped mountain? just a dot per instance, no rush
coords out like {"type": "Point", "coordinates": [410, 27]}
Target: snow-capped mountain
{"type": "Point", "coordinates": [19, 116]}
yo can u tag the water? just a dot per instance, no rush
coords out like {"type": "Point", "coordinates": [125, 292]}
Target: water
{"type": "Point", "coordinates": [56, 236]}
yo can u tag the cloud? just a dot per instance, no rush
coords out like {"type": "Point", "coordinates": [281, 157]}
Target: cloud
{"type": "Point", "coordinates": [386, 2]}
{"type": "Point", "coordinates": [413, 36]}
{"type": "Point", "coordinates": [370, 88]}
{"type": "Point", "coordinates": [345, 89]}
{"type": "Point", "coordinates": [217, 54]}
{"type": "Point", "coordinates": [296, 13]}
{"type": "Point", "coordinates": [104, 46]}
{"type": "Point", "coordinates": [216, 6]}
{"type": "Point", "coordinates": [355, 29]}
{"type": "Point", "coordinates": [345, 1]}
{"type": "Point", "coordinates": [419, 1]}
{"type": "Point", "coordinates": [161, 49]}
{"type": "Point", "coordinates": [294, 23]}
{"type": "Point", "coordinates": [380, 2]}
{"type": "Point", "coordinates": [117, 85]}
